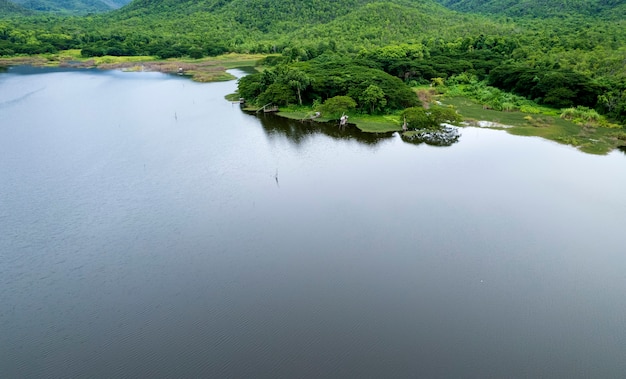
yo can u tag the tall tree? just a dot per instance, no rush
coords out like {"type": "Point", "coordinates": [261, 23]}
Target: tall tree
{"type": "Point", "coordinates": [374, 98]}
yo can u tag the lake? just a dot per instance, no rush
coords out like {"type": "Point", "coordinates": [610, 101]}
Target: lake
{"type": "Point", "coordinates": [150, 228]}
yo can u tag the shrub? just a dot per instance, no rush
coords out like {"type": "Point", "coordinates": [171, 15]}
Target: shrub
{"type": "Point", "coordinates": [420, 118]}
{"type": "Point", "coordinates": [580, 114]}
{"type": "Point", "coordinates": [337, 105]}
{"type": "Point", "coordinates": [529, 109]}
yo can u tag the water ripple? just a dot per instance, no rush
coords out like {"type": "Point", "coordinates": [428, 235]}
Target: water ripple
{"type": "Point", "coordinates": [17, 100]}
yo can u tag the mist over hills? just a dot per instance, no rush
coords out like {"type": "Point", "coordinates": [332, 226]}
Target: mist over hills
{"type": "Point", "coordinates": [77, 7]}
{"type": "Point", "coordinates": [8, 8]}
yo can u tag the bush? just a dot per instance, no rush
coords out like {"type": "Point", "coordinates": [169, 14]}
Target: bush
{"type": "Point", "coordinates": [420, 118]}
{"type": "Point", "coordinates": [580, 114]}
{"type": "Point", "coordinates": [529, 109]}
{"type": "Point", "coordinates": [337, 105]}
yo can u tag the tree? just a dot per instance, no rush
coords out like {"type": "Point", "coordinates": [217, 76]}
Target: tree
{"type": "Point", "coordinates": [374, 98]}
{"type": "Point", "coordinates": [299, 81]}
{"type": "Point", "coordinates": [251, 86]}
{"type": "Point", "coordinates": [416, 118]}
{"type": "Point", "coordinates": [440, 115]}
{"type": "Point", "coordinates": [420, 118]}
{"type": "Point", "coordinates": [337, 105]}
{"type": "Point", "coordinates": [277, 93]}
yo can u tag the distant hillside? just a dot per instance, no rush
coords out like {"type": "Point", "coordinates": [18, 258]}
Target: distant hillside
{"type": "Point", "coordinates": [270, 15]}
{"type": "Point", "coordinates": [71, 6]}
{"type": "Point", "coordinates": [379, 24]}
{"type": "Point", "coordinates": [268, 25]}
{"type": "Point", "coordinates": [333, 19]}
{"type": "Point", "coordinates": [539, 8]}
{"type": "Point", "coordinates": [7, 8]}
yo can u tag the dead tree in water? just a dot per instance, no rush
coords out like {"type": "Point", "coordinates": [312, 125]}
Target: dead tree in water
{"type": "Point", "coordinates": [343, 121]}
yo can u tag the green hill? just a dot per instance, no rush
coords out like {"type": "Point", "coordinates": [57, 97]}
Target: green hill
{"type": "Point", "coordinates": [540, 8]}
{"type": "Point", "coordinates": [268, 15]}
{"type": "Point", "coordinates": [380, 24]}
{"type": "Point", "coordinates": [353, 23]}
{"type": "Point", "coordinates": [269, 25]}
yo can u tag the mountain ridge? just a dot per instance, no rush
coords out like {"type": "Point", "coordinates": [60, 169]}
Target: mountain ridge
{"type": "Point", "coordinates": [540, 8]}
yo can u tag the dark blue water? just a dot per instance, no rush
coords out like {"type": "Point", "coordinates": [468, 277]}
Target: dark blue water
{"type": "Point", "coordinates": [149, 228]}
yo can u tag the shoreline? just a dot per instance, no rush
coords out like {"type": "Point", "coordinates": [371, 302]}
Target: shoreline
{"type": "Point", "coordinates": [205, 70]}
{"type": "Point", "coordinates": [585, 138]}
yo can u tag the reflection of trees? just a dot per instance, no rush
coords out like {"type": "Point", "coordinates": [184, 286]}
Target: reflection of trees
{"type": "Point", "coordinates": [299, 131]}
{"type": "Point", "coordinates": [444, 136]}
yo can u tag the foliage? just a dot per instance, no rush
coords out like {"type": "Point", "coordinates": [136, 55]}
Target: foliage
{"type": "Point", "coordinates": [335, 106]}
{"type": "Point", "coordinates": [585, 116]}
{"type": "Point", "coordinates": [490, 97]}
{"type": "Point", "coordinates": [433, 118]}
{"type": "Point", "coordinates": [582, 113]}
{"type": "Point", "coordinates": [277, 93]}
{"type": "Point", "coordinates": [373, 98]}
{"type": "Point", "coordinates": [558, 88]}
{"type": "Point", "coordinates": [545, 8]}
{"type": "Point", "coordinates": [613, 102]}
{"type": "Point", "coordinates": [329, 76]}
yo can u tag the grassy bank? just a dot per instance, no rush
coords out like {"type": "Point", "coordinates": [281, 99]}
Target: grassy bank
{"type": "Point", "coordinates": [548, 124]}
{"type": "Point", "coordinates": [587, 138]}
{"type": "Point", "coordinates": [366, 123]}
{"type": "Point", "coordinates": [209, 69]}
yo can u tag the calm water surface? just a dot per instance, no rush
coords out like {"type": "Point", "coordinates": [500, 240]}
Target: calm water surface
{"type": "Point", "coordinates": [149, 228]}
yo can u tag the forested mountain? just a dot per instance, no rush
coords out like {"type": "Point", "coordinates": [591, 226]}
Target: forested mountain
{"type": "Point", "coordinates": [541, 8]}
{"type": "Point", "coordinates": [270, 25]}
{"type": "Point", "coordinates": [8, 8]}
{"type": "Point", "coordinates": [71, 6]}
{"type": "Point", "coordinates": [271, 15]}
{"type": "Point", "coordinates": [170, 28]}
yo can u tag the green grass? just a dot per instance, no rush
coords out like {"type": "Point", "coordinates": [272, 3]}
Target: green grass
{"type": "Point", "coordinates": [376, 123]}
{"type": "Point", "coordinates": [297, 112]}
{"type": "Point", "coordinates": [587, 139]}
{"type": "Point", "coordinates": [548, 125]}
{"type": "Point", "coordinates": [366, 123]}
